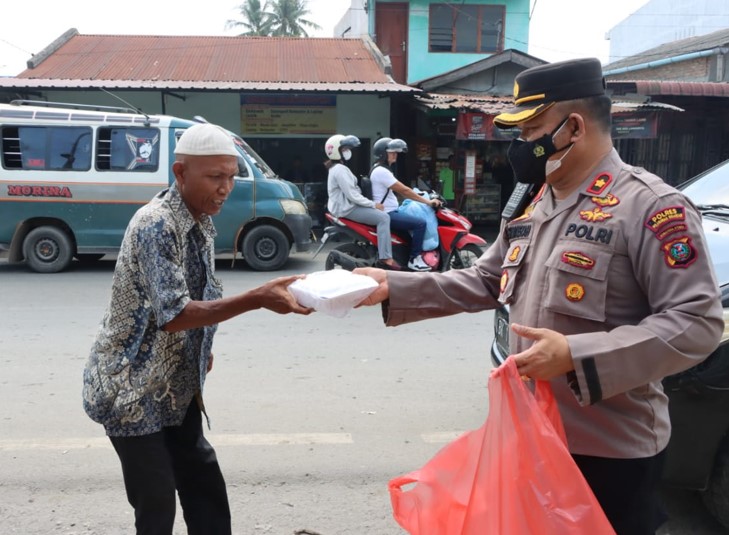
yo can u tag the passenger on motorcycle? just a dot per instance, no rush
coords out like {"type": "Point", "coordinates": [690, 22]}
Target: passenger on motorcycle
{"type": "Point", "coordinates": [384, 187]}
{"type": "Point", "coordinates": [346, 199]}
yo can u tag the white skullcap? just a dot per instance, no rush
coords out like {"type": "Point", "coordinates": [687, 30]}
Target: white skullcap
{"type": "Point", "coordinates": [206, 139]}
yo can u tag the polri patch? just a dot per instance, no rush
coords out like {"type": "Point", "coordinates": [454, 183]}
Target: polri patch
{"type": "Point", "coordinates": [664, 217]}
{"type": "Point", "coordinates": [599, 184]}
{"type": "Point", "coordinates": [575, 291]}
{"type": "Point", "coordinates": [679, 253]}
{"type": "Point", "coordinates": [578, 259]}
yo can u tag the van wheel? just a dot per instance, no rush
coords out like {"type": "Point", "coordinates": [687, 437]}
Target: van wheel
{"type": "Point", "coordinates": [47, 250]}
{"type": "Point", "coordinates": [716, 496]}
{"type": "Point", "coordinates": [266, 248]}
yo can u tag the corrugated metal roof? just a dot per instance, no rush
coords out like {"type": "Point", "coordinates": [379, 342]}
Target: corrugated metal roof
{"type": "Point", "coordinates": [25, 83]}
{"type": "Point", "coordinates": [708, 41]}
{"type": "Point", "coordinates": [218, 62]}
{"type": "Point", "coordinates": [696, 89]}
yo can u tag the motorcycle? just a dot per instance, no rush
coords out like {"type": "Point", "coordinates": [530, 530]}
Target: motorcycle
{"type": "Point", "coordinates": [457, 247]}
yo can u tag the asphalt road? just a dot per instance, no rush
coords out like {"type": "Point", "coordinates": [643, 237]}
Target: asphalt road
{"type": "Point", "coordinates": [311, 416]}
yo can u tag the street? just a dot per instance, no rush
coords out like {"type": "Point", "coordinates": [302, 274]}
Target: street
{"type": "Point", "coordinates": [311, 416]}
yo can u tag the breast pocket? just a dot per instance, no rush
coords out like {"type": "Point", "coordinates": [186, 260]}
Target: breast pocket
{"type": "Point", "coordinates": [511, 266]}
{"type": "Point", "coordinates": [577, 280]}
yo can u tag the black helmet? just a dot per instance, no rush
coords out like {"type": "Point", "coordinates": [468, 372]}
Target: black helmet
{"type": "Point", "coordinates": [384, 145]}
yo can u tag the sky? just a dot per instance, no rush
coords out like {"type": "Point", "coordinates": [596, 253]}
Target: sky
{"type": "Point", "coordinates": [560, 29]}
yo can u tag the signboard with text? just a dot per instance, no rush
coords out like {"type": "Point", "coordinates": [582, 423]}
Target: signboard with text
{"type": "Point", "coordinates": [633, 125]}
{"type": "Point", "coordinates": [288, 114]}
{"type": "Point", "coordinates": [480, 127]}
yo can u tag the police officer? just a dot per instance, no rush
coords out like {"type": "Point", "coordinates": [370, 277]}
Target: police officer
{"type": "Point", "coordinates": [609, 284]}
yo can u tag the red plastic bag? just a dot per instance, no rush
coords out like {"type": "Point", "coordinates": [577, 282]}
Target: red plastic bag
{"type": "Point", "coordinates": [512, 476]}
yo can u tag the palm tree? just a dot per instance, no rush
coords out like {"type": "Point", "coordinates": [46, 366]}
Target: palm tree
{"type": "Point", "coordinates": [287, 18]}
{"type": "Point", "coordinates": [256, 20]}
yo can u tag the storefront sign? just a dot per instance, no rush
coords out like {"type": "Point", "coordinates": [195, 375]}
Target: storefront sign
{"type": "Point", "coordinates": [480, 127]}
{"type": "Point", "coordinates": [635, 125]}
{"type": "Point", "coordinates": [283, 114]}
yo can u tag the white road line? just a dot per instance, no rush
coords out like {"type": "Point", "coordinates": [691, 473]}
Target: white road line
{"type": "Point", "coordinates": [252, 439]}
{"type": "Point", "coordinates": [441, 437]}
{"type": "Point", "coordinates": [249, 439]}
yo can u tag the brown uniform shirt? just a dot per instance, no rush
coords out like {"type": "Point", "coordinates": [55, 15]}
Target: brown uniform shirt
{"type": "Point", "coordinates": [620, 267]}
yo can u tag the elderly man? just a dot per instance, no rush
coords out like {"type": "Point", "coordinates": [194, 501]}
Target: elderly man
{"type": "Point", "coordinates": [145, 375]}
{"type": "Point", "coordinates": [608, 280]}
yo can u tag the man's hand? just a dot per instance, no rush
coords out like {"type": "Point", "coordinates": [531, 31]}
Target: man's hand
{"type": "Point", "coordinates": [275, 296]}
{"type": "Point", "coordinates": [382, 293]}
{"type": "Point", "coordinates": [547, 358]}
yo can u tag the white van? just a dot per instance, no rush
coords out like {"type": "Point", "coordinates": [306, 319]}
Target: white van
{"type": "Point", "coordinates": [72, 176]}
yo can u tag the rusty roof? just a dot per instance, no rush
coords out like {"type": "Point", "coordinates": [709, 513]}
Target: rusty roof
{"type": "Point", "coordinates": [189, 62]}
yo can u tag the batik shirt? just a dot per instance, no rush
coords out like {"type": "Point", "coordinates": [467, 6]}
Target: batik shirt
{"type": "Point", "coordinates": [140, 378]}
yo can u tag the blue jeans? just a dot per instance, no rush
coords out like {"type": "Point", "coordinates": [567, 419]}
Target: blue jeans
{"type": "Point", "coordinates": [416, 225]}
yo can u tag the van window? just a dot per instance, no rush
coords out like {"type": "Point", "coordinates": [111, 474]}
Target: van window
{"type": "Point", "coordinates": [46, 148]}
{"type": "Point", "coordinates": [127, 149]}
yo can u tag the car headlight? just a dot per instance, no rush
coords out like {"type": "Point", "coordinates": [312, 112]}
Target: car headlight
{"type": "Point", "coordinates": [293, 207]}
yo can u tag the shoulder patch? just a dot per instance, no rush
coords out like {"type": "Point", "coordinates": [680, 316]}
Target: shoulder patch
{"type": "Point", "coordinates": [679, 253]}
{"type": "Point", "coordinates": [666, 216]}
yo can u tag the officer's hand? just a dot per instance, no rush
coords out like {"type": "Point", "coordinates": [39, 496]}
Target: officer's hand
{"type": "Point", "coordinates": [275, 296]}
{"type": "Point", "coordinates": [547, 358]}
{"type": "Point", "coordinates": [382, 293]}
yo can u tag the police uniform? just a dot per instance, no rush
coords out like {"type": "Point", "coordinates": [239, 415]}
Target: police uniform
{"type": "Point", "coordinates": [619, 267]}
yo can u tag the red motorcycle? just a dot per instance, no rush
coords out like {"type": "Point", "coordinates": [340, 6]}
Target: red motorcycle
{"type": "Point", "coordinates": [457, 248]}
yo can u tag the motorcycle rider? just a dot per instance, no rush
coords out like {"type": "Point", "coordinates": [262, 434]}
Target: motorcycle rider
{"type": "Point", "coordinates": [346, 199]}
{"type": "Point", "coordinates": [384, 187]}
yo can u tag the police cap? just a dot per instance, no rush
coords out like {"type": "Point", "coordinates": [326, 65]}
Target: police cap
{"type": "Point", "coordinates": [538, 88]}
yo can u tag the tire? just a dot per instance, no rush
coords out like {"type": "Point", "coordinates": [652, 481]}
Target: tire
{"type": "Point", "coordinates": [716, 496]}
{"type": "Point", "coordinates": [89, 258]}
{"type": "Point", "coordinates": [266, 248]}
{"type": "Point", "coordinates": [464, 257]}
{"type": "Point", "coordinates": [351, 249]}
{"type": "Point", "coordinates": [47, 250]}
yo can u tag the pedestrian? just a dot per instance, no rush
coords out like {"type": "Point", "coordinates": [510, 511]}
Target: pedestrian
{"type": "Point", "coordinates": [608, 280]}
{"type": "Point", "coordinates": [384, 187]}
{"type": "Point", "coordinates": [144, 377]}
{"type": "Point", "coordinates": [346, 199]}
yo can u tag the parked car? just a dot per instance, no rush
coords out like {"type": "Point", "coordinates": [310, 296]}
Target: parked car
{"type": "Point", "coordinates": [697, 457]}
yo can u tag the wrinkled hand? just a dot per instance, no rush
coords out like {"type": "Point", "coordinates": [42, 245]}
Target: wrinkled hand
{"type": "Point", "coordinates": [547, 358]}
{"type": "Point", "coordinates": [382, 292]}
{"type": "Point", "coordinates": [275, 296]}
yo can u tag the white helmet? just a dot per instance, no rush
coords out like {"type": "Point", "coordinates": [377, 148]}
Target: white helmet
{"type": "Point", "coordinates": [334, 144]}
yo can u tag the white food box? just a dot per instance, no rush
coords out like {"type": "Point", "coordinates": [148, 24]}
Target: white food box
{"type": "Point", "coordinates": [333, 292]}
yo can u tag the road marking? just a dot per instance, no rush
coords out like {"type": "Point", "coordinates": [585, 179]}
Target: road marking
{"type": "Point", "coordinates": [250, 439]}
{"type": "Point", "coordinates": [441, 437]}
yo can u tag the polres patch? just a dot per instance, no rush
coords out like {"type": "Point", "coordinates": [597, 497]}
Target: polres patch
{"type": "Point", "coordinates": [679, 253]}
{"type": "Point", "coordinates": [664, 217]}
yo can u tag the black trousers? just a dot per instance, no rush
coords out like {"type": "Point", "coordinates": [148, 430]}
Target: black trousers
{"type": "Point", "coordinates": [174, 459]}
{"type": "Point", "coordinates": [627, 490]}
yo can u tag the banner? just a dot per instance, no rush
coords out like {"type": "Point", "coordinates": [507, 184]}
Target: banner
{"type": "Point", "coordinates": [288, 114]}
{"type": "Point", "coordinates": [635, 125]}
{"type": "Point", "coordinates": [480, 127]}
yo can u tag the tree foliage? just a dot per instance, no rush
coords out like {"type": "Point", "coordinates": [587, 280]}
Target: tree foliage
{"type": "Point", "coordinates": [278, 18]}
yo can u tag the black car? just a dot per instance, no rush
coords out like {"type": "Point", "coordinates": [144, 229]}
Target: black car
{"type": "Point", "coordinates": [697, 457]}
